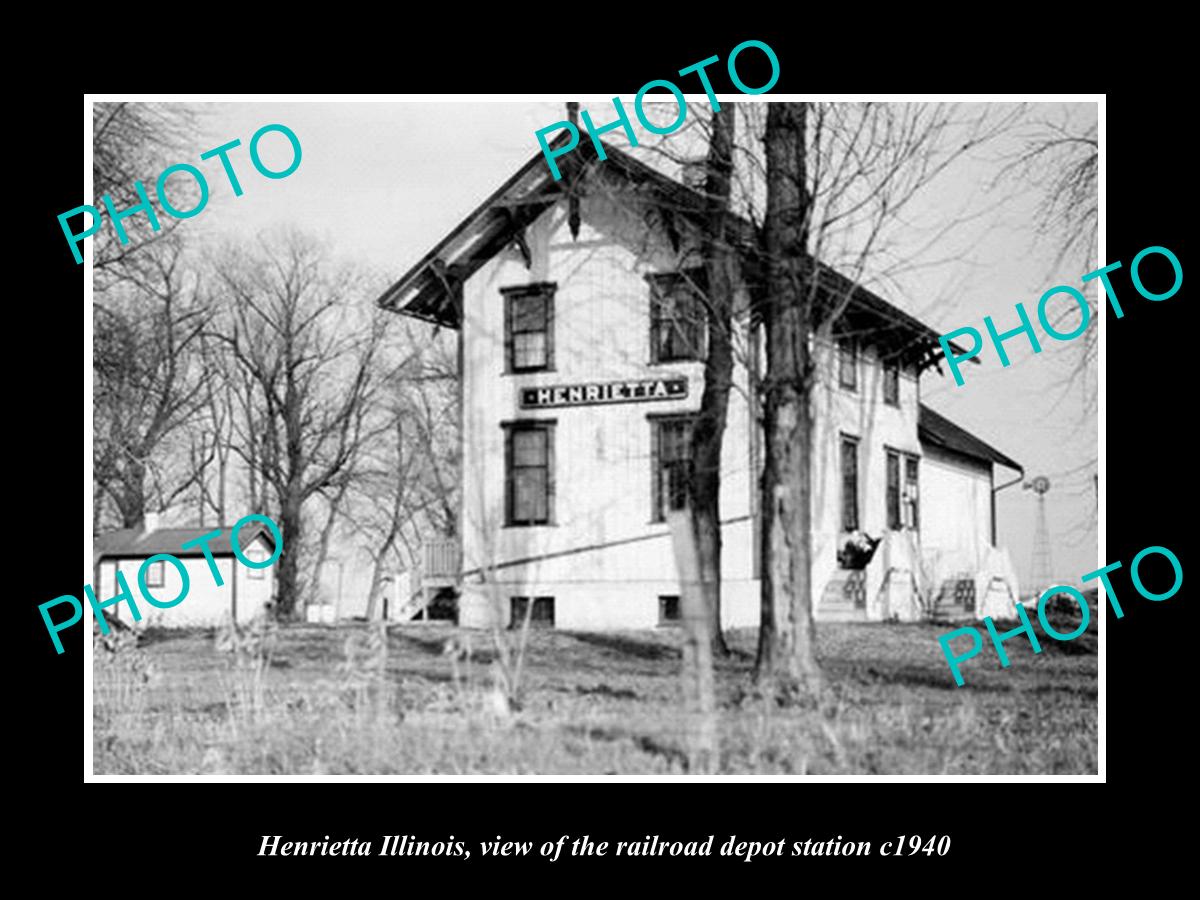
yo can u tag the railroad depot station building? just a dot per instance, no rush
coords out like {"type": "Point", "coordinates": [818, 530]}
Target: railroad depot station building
{"type": "Point", "coordinates": [581, 339]}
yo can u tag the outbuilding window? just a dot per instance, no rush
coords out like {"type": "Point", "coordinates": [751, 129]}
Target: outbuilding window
{"type": "Point", "coordinates": [256, 554]}
{"type": "Point", "coordinates": [155, 574]}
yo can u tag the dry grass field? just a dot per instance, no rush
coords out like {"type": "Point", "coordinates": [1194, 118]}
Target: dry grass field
{"type": "Point", "coordinates": [305, 700]}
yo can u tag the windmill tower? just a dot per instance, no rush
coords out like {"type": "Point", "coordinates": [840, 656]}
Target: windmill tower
{"type": "Point", "coordinates": [1041, 536]}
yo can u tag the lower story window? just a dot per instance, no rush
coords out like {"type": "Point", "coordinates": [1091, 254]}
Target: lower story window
{"type": "Point", "coordinates": [671, 451]}
{"type": "Point", "coordinates": [542, 614]}
{"type": "Point", "coordinates": [529, 473]}
{"type": "Point", "coordinates": [668, 610]}
{"type": "Point", "coordinates": [903, 499]}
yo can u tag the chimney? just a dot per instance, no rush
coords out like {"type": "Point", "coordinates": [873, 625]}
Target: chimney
{"type": "Point", "coordinates": [694, 173]}
{"type": "Point", "coordinates": [151, 521]}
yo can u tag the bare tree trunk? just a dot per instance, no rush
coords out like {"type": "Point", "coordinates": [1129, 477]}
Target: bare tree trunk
{"type": "Point", "coordinates": [709, 430]}
{"type": "Point", "coordinates": [131, 502]}
{"type": "Point", "coordinates": [380, 560]}
{"type": "Point", "coordinates": [699, 700]}
{"type": "Point", "coordinates": [786, 648]}
{"type": "Point", "coordinates": [376, 583]}
{"type": "Point", "coordinates": [288, 575]}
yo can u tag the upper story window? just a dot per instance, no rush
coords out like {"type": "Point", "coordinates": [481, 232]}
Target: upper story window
{"type": "Point", "coordinates": [677, 316]}
{"type": "Point", "coordinates": [891, 382]}
{"type": "Point", "coordinates": [529, 473]}
{"type": "Point", "coordinates": [672, 460]}
{"type": "Point", "coordinates": [529, 327]}
{"type": "Point", "coordinates": [847, 363]}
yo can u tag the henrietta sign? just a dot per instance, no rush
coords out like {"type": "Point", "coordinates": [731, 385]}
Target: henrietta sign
{"type": "Point", "coordinates": [594, 393]}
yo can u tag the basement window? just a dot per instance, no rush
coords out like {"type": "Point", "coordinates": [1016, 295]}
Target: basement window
{"type": "Point", "coordinates": [542, 615]}
{"type": "Point", "coordinates": [668, 610]}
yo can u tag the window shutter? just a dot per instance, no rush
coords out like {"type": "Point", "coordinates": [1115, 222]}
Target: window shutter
{"type": "Point", "coordinates": [656, 504]}
{"type": "Point", "coordinates": [549, 310]}
{"type": "Point", "coordinates": [508, 332]}
{"type": "Point", "coordinates": [549, 435]}
{"type": "Point", "coordinates": [893, 489]}
{"type": "Point", "coordinates": [508, 476]}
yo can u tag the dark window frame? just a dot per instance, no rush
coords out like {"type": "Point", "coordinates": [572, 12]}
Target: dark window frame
{"type": "Point", "coordinates": [518, 605]}
{"type": "Point", "coordinates": [891, 382]}
{"type": "Point", "coordinates": [692, 336]}
{"type": "Point", "coordinates": [665, 603]}
{"type": "Point", "coordinates": [156, 575]}
{"type": "Point", "coordinates": [847, 354]}
{"type": "Point", "coordinates": [659, 488]}
{"type": "Point", "coordinates": [546, 290]}
{"type": "Point", "coordinates": [850, 511]}
{"type": "Point", "coordinates": [901, 505]}
{"type": "Point", "coordinates": [912, 504]}
{"type": "Point", "coordinates": [546, 427]}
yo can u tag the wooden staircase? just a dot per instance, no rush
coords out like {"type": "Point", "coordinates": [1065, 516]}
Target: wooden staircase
{"type": "Point", "coordinates": [428, 606]}
{"type": "Point", "coordinates": [956, 598]}
{"type": "Point", "coordinates": [845, 597]}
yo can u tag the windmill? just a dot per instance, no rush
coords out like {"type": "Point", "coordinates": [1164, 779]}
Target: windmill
{"type": "Point", "coordinates": [1041, 536]}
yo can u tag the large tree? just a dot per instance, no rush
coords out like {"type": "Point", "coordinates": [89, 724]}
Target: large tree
{"type": "Point", "coordinates": [304, 341]}
{"type": "Point", "coordinates": [786, 638]}
{"type": "Point", "coordinates": [148, 383]}
{"type": "Point", "coordinates": [134, 142]}
{"type": "Point", "coordinates": [407, 491]}
{"type": "Point", "coordinates": [839, 179]}
{"type": "Point", "coordinates": [720, 267]}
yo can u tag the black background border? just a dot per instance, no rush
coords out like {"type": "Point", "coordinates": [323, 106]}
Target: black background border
{"type": "Point", "coordinates": [1146, 450]}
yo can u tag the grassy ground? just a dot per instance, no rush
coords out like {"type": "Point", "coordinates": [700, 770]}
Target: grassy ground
{"type": "Point", "coordinates": [592, 704]}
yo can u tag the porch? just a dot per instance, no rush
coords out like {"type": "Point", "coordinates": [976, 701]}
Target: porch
{"type": "Point", "coordinates": [432, 583]}
{"type": "Point", "coordinates": [903, 582]}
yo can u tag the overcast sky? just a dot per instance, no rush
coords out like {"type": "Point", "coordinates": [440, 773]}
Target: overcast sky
{"type": "Point", "coordinates": [383, 182]}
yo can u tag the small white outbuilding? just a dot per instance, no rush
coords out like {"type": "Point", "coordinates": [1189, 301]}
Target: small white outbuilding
{"type": "Point", "coordinates": [243, 594]}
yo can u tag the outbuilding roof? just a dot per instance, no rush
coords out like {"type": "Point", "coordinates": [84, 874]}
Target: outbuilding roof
{"type": "Point", "coordinates": [133, 543]}
{"type": "Point", "coordinates": [934, 428]}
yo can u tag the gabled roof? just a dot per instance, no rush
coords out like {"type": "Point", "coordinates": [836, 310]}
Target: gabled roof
{"type": "Point", "coordinates": [133, 543]}
{"type": "Point", "coordinates": [934, 428]}
{"type": "Point", "coordinates": [431, 289]}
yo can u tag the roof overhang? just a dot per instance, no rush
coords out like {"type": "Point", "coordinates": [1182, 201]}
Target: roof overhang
{"type": "Point", "coordinates": [432, 289]}
{"type": "Point", "coordinates": [934, 428]}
